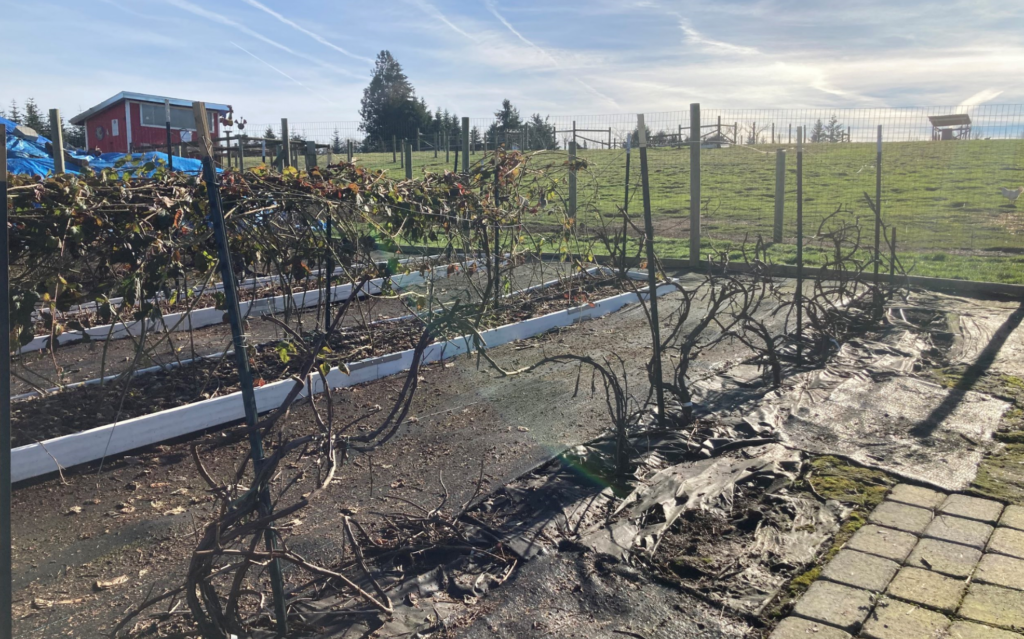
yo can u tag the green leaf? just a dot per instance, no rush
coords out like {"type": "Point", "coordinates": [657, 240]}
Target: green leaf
{"type": "Point", "coordinates": [325, 368]}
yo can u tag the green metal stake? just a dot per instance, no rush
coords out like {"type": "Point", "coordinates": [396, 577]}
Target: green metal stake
{"type": "Point", "coordinates": [6, 594]}
{"type": "Point", "coordinates": [652, 276]}
{"type": "Point", "coordinates": [798, 295]}
{"type": "Point", "coordinates": [227, 275]}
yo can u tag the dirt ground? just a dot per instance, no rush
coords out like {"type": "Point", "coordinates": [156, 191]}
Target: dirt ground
{"type": "Point", "coordinates": [138, 517]}
{"type": "Point", "coordinates": [131, 520]}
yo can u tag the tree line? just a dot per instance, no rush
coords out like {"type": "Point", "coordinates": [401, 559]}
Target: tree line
{"type": "Point", "coordinates": [390, 110]}
{"type": "Point", "coordinates": [30, 115]}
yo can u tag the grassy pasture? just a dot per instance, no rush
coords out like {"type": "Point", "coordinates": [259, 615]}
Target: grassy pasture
{"type": "Point", "coordinates": [943, 198]}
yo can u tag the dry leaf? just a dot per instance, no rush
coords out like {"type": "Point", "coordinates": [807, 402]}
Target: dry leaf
{"type": "Point", "coordinates": [180, 491]}
{"type": "Point", "coordinates": [91, 502]}
{"type": "Point", "coordinates": [116, 581]}
{"type": "Point", "coordinates": [74, 510]}
{"type": "Point", "coordinates": [159, 484]}
{"type": "Point", "coordinates": [174, 511]}
{"type": "Point", "coordinates": [524, 429]}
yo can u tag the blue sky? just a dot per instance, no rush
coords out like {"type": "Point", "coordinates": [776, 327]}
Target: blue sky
{"type": "Point", "coordinates": [310, 59]}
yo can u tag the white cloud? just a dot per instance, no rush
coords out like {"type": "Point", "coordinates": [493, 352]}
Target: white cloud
{"type": "Point", "coordinates": [290, 23]}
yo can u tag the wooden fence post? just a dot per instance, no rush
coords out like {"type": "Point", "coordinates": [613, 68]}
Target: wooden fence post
{"type": "Point", "coordinates": [350, 150]}
{"type": "Point", "coordinates": [287, 141]}
{"type": "Point", "coordinates": [57, 141]}
{"type": "Point", "coordinates": [310, 154]}
{"type": "Point", "coordinates": [408, 159]}
{"type": "Point", "coordinates": [695, 184]}
{"type": "Point", "coordinates": [394, 149]}
{"type": "Point", "coordinates": [401, 157]}
{"type": "Point", "coordinates": [780, 193]}
{"type": "Point", "coordinates": [418, 147]}
{"type": "Point", "coordinates": [437, 143]}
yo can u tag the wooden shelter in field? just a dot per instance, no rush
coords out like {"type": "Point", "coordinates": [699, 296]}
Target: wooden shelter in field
{"type": "Point", "coordinates": [951, 127]}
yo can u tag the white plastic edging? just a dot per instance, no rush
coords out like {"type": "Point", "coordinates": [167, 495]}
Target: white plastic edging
{"type": "Point", "coordinates": [41, 458]}
{"type": "Point", "coordinates": [405, 280]}
{"type": "Point", "coordinates": [203, 317]}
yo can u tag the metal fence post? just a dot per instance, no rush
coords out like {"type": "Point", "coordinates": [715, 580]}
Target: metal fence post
{"type": "Point", "coordinates": [287, 142]}
{"type": "Point", "coordinates": [394, 149]}
{"type": "Point", "coordinates": [56, 140]}
{"type": "Point", "coordinates": [418, 147]}
{"type": "Point", "coordinates": [408, 159]}
{"type": "Point", "coordinates": [241, 355]}
{"type": "Point", "coordinates": [878, 221]}
{"type": "Point", "coordinates": [167, 118]}
{"type": "Point", "coordinates": [350, 150]}
{"type": "Point", "coordinates": [780, 194]}
{"type": "Point", "coordinates": [6, 595]}
{"type": "Point", "coordinates": [401, 157]}
{"type": "Point", "coordinates": [695, 184]}
{"type": "Point", "coordinates": [437, 143]}
{"type": "Point", "coordinates": [652, 274]}
{"type": "Point", "coordinates": [465, 147]}
{"type": "Point", "coordinates": [798, 295]}
{"type": "Point", "coordinates": [572, 174]}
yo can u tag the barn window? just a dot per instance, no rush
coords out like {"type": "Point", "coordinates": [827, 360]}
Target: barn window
{"type": "Point", "coordinates": [113, 128]}
{"type": "Point", "coordinates": [181, 117]}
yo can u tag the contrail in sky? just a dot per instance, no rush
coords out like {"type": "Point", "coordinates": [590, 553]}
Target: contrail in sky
{"type": "Point", "coordinates": [321, 40]}
{"type": "Point", "coordinates": [284, 74]}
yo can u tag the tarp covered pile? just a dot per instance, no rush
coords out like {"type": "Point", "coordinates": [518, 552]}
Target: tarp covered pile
{"type": "Point", "coordinates": [28, 153]}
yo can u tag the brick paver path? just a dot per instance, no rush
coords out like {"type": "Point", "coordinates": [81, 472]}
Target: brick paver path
{"type": "Point", "coordinates": [928, 566]}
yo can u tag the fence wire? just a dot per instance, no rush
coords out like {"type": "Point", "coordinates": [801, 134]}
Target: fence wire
{"type": "Point", "coordinates": [941, 187]}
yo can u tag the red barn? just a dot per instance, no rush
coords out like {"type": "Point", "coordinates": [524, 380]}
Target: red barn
{"type": "Point", "coordinates": [127, 121]}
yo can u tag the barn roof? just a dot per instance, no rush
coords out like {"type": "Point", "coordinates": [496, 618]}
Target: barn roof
{"type": "Point", "coordinates": [957, 119]}
{"type": "Point", "coordinates": [142, 97]}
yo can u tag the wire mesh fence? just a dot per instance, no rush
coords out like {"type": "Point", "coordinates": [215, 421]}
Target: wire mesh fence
{"type": "Point", "coordinates": [942, 179]}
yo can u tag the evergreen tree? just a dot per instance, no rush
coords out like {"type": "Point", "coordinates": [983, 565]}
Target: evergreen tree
{"type": "Point", "coordinates": [818, 132]}
{"type": "Point", "coordinates": [14, 115]}
{"type": "Point", "coordinates": [74, 135]}
{"type": "Point", "coordinates": [507, 121]}
{"type": "Point", "coordinates": [636, 136]}
{"type": "Point", "coordinates": [474, 137]}
{"type": "Point", "coordinates": [389, 106]}
{"type": "Point", "coordinates": [834, 130]}
{"type": "Point", "coordinates": [542, 133]}
{"type": "Point", "coordinates": [269, 133]}
{"type": "Point", "coordinates": [336, 146]}
{"type": "Point", "coordinates": [33, 118]}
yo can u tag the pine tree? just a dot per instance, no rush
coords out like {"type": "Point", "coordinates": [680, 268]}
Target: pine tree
{"type": "Point", "coordinates": [389, 106]}
{"type": "Point", "coordinates": [15, 114]}
{"type": "Point", "coordinates": [818, 132]}
{"type": "Point", "coordinates": [834, 130]}
{"type": "Point", "coordinates": [269, 133]}
{"type": "Point", "coordinates": [336, 143]}
{"type": "Point", "coordinates": [33, 118]}
{"type": "Point", "coordinates": [507, 120]}
{"type": "Point", "coordinates": [542, 134]}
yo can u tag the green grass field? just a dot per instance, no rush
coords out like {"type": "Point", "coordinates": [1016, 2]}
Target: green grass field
{"type": "Point", "coordinates": [943, 198]}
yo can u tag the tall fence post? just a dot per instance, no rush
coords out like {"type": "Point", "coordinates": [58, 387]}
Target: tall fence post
{"type": "Point", "coordinates": [652, 274]}
{"type": "Point", "coordinates": [310, 154]}
{"type": "Point", "coordinates": [572, 174]}
{"type": "Point", "coordinates": [798, 295]}
{"type": "Point", "coordinates": [695, 184]}
{"type": "Point", "coordinates": [241, 354]}
{"type": "Point", "coordinates": [6, 598]}
{"type": "Point", "coordinates": [735, 132]}
{"type": "Point", "coordinates": [790, 133]}
{"type": "Point", "coordinates": [447, 147]}
{"type": "Point", "coordinates": [408, 159]}
{"type": "Point", "coordinates": [167, 118]}
{"type": "Point", "coordinates": [394, 149]}
{"type": "Point", "coordinates": [227, 148]}
{"type": "Point", "coordinates": [878, 221]}
{"type": "Point", "coordinates": [350, 150]}
{"type": "Point", "coordinates": [773, 133]}
{"type": "Point", "coordinates": [437, 143]}
{"type": "Point", "coordinates": [56, 140]}
{"type": "Point", "coordinates": [465, 147]}
{"type": "Point", "coordinates": [287, 143]}
{"type": "Point", "coordinates": [418, 148]}
{"type": "Point", "coordinates": [401, 156]}
{"type": "Point", "coordinates": [780, 194]}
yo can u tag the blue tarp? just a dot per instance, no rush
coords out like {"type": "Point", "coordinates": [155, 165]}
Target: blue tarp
{"type": "Point", "coordinates": [32, 158]}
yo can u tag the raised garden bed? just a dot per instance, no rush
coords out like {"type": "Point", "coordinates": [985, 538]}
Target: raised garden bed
{"type": "Point", "coordinates": [71, 437]}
